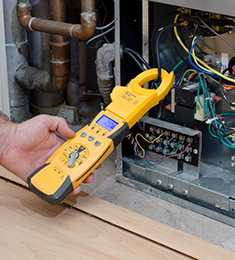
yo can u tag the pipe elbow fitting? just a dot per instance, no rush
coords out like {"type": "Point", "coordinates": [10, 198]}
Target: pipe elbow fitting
{"type": "Point", "coordinates": [87, 28]}
{"type": "Point", "coordinates": [24, 13]}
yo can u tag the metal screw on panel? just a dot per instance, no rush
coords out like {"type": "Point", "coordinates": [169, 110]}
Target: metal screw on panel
{"type": "Point", "coordinates": [195, 151]}
{"type": "Point", "coordinates": [189, 140]}
{"type": "Point", "coordinates": [170, 186]}
{"type": "Point", "coordinates": [159, 182]}
{"type": "Point", "coordinates": [146, 135]}
{"type": "Point", "coordinates": [185, 192]}
{"type": "Point", "coordinates": [157, 149]}
{"type": "Point", "coordinates": [151, 147]}
{"type": "Point", "coordinates": [165, 142]}
{"type": "Point", "coordinates": [217, 63]}
{"type": "Point", "coordinates": [188, 159]}
{"type": "Point", "coordinates": [158, 131]}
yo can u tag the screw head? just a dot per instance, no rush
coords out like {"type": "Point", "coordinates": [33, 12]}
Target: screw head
{"type": "Point", "coordinates": [159, 182]}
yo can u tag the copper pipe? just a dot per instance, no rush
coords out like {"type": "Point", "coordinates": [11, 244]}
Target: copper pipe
{"type": "Point", "coordinates": [58, 8]}
{"type": "Point", "coordinates": [59, 50]}
{"type": "Point", "coordinates": [81, 31]}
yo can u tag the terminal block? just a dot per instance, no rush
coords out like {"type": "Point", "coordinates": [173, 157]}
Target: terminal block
{"type": "Point", "coordinates": [174, 139]}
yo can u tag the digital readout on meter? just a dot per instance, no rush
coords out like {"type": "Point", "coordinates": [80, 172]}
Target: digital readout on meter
{"type": "Point", "coordinates": [107, 123]}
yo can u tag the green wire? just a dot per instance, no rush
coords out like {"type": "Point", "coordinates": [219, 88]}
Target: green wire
{"type": "Point", "coordinates": [228, 113]}
{"type": "Point", "coordinates": [175, 150]}
{"type": "Point", "coordinates": [177, 147]}
{"type": "Point", "coordinates": [179, 63]}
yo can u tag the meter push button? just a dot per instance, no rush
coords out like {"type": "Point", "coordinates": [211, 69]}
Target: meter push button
{"type": "Point", "coordinates": [83, 134]}
{"type": "Point", "coordinates": [97, 143]}
{"type": "Point", "coordinates": [91, 138]}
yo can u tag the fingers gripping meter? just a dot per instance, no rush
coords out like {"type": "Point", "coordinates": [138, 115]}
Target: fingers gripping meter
{"type": "Point", "coordinates": [79, 156]}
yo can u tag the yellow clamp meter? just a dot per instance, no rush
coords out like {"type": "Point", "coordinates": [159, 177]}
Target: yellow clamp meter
{"type": "Point", "coordinates": [79, 156]}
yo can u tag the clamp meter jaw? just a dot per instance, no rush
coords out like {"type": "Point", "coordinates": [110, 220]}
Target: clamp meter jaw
{"type": "Point", "coordinates": [72, 163]}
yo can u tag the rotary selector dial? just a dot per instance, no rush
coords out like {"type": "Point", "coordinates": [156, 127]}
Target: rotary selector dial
{"type": "Point", "coordinates": [74, 155]}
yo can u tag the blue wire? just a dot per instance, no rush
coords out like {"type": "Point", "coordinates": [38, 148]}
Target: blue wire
{"type": "Point", "coordinates": [164, 154]}
{"type": "Point", "coordinates": [217, 124]}
{"type": "Point", "coordinates": [196, 67]}
{"type": "Point", "coordinates": [177, 83]}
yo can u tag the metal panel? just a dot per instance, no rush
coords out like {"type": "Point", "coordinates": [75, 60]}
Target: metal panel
{"type": "Point", "coordinates": [4, 95]}
{"type": "Point", "coordinates": [214, 187]}
{"type": "Point", "coordinates": [117, 43]}
{"type": "Point", "coordinates": [216, 6]}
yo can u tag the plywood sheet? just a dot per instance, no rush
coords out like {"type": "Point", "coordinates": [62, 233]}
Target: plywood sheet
{"type": "Point", "coordinates": [33, 229]}
{"type": "Point", "coordinates": [132, 224]}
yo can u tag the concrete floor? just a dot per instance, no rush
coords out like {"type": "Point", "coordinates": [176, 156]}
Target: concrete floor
{"type": "Point", "coordinates": [106, 187]}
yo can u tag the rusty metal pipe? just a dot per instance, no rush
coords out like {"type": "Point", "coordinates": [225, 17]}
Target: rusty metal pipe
{"type": "Point", "coordinates": [59, 50]}
{"type": "Point", "coordinates": [57, 8]}
{"type": "Point", "coordinates": [81, 31]}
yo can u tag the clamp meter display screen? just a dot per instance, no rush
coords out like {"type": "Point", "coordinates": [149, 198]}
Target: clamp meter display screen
{"type": "Point", "coordinates": [107, 123]}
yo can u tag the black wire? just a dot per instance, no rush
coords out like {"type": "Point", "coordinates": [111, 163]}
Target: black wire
{"type": "Point", "coordinates": [215, 33]}
{"type": "Point", "coordinates": [134, 59]}
{"type": "Point", "coordinates": [157, 47]}
{"type": "Point", "coordinates": [177, 50]}
{"type": "Point", "coordinates": [132, 52]}
{"type": "Point", "coordinates": [138, 56]}
{"type": "Point", "coordinates": [222, 89]}
{"type": "Point", "coordinates": [194, 34]}
{"type": "Point", "coordinates": [222, 131]}
{"type": "Point", "coordinates": [154, 32]}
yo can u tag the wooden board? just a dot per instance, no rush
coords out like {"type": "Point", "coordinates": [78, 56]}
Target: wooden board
{"type": "Point", "coordinates": [86, 226]}
{"type": "Point", "coordinates": [33, 229]}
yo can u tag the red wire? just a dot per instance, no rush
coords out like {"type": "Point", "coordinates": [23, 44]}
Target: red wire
{"type": "Point", "coordinates": [173, 155]}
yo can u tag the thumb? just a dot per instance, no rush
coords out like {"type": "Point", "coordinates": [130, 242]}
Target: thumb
{"type": "Point", "coordinates": [59, 125]}
{"type": "Point", "coordinates": [62, 128]}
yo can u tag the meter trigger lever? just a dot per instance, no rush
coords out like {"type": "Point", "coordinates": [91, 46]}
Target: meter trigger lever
{"type": "Point", "coordinates": [74, 155]}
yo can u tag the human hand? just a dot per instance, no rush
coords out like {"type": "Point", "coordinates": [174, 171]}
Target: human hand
{"type": "Point", "coordinates": [30, 144]}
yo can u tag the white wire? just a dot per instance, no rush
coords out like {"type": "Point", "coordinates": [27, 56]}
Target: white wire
{"type": "Point", "coordinates": [107, 25]}
{"type": "Point", "coordinates": [99, 35]}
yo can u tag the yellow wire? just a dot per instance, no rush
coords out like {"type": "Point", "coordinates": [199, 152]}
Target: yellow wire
{"type": "Point", "coordinates": [215, 80]}
{"type": "Point", "coordinates": [187, 71]}
{"type": "Point", "coordinates": [232, 135]}
{"type": "Point", "coordinates": [209, 69]}
{"type": "Point", "coordinates": [143, 151]}
{"type": "Point", "coordinates": [195, 59]}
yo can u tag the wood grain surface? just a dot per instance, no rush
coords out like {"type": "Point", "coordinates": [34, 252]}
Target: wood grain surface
{"type": "Point", "coordinates": [86, 227]}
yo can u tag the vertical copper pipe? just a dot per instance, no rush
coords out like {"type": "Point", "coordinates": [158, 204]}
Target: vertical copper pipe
{"type": "Point", "coordinates": [59, 45]}
{"type": "Point", "coordinates": [59, 49]}
{"type": "Point", "coordinates": [58, 8]}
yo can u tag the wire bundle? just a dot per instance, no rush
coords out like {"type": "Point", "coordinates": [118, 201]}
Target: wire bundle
{"type": "Point", "coordinates": [217, 128]}
{"type": "Point", "coordinates": [153, 161]}
{"type": "Point", "coordinates": [194, 66]}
